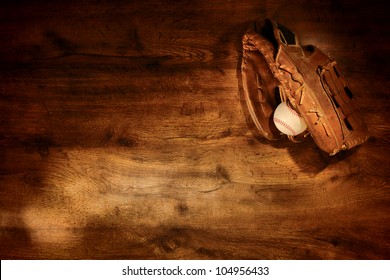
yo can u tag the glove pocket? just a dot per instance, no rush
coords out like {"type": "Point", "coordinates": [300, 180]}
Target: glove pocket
{"type": "Point", "coordinates": [259, 86]}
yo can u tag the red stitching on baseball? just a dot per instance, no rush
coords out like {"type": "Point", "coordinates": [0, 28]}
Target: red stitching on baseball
{"type": "Point", "coordinates": [285, 125]}
{"type": "Point", "coordinates": [292, 111]}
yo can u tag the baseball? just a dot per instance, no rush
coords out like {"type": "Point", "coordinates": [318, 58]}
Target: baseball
{"type": "Point", "coordinates": [288, 121]}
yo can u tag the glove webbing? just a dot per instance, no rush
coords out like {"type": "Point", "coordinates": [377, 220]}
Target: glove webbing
{"type": "Point", "coordinates": [341, 97]}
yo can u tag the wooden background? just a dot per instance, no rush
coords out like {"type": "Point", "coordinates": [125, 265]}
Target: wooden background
{"type": "Point", "coordinates": [123, 135]}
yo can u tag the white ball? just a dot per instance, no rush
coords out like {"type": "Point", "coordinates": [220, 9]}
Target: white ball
{"type": "Point", "coordinates": [288, 121]}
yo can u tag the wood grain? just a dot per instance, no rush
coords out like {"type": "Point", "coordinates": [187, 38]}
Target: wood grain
{"type": "Point", "coordinates": [124, 135]}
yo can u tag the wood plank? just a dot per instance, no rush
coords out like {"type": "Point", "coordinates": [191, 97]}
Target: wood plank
{"type": "Point", "coordinates": [124, 135]}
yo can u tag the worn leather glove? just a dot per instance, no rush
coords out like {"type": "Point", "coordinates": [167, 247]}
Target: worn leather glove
{"type": "Point", "coordinates": [276, 68]}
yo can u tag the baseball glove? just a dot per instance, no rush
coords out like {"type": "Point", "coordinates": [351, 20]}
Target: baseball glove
{"type": "Point", "coordinates": [276, 68]}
